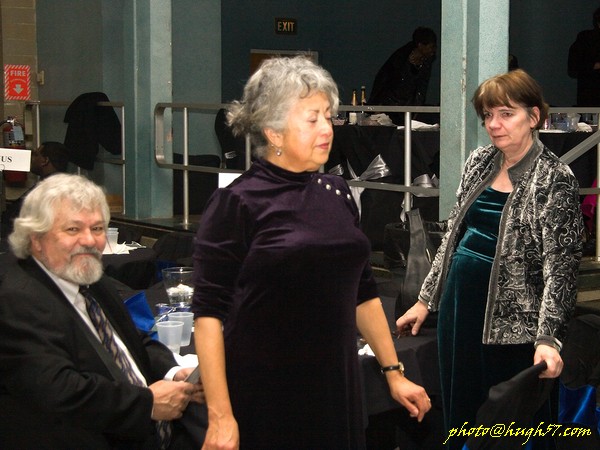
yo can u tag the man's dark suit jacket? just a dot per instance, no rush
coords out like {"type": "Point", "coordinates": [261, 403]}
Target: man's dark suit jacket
{"type": "Point", "coordinates": [59, 388]}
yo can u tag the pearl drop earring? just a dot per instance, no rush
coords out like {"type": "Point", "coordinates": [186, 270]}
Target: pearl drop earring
{"type": "Point", "coordinates": [278, 151]}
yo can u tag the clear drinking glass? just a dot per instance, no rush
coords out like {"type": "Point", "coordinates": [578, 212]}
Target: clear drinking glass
{"type": "Point", "coordinates": [179, 286]}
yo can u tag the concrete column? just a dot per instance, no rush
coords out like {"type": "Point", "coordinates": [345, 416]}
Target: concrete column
{"type": "Point", "coordinates": [474, 47]}
{"type": "Point", "coordinates": [147, 81]}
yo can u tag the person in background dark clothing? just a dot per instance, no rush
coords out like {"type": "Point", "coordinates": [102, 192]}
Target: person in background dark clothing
{"type": "Point", "coordinates": [584, 64]}
{"type": "Point", "coordinates": [404, 77]}
{"type": "Point", "coordinates": [513, 62]}
{"type": "Point", "coordinates": [48, 159]}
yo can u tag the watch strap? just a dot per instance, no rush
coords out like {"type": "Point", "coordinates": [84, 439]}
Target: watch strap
{"type": "Point", "coordinates": [398, 366]}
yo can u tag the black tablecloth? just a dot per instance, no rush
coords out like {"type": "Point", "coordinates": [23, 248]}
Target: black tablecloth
{"type": "Point", "coordinates": [358, 145]}
{"type": "Point", "coordinates": [136, 269]}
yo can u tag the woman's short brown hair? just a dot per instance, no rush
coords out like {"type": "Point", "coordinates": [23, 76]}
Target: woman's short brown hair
{"type": "Point", "coordinates": [508, 89]}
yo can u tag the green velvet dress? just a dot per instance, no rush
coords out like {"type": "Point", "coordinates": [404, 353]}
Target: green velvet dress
{"type": "Point", "coordinates": [469, 368]}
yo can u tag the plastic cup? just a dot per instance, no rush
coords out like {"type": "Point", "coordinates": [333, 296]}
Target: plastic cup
{"type": "Point", "coordinates": [572, 121]}
{"type": "Point", "coordinates": [188, 320]}
{"type": "Point", "coordinates": [112, 236]}
{"type": "Point", "coordinates": [169, 333]}
{"type": "Point", "coordinates": [178, 284]}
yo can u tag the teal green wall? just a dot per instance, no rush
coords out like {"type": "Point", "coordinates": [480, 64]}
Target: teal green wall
{"type": "Point", "coordinates": [354, 38]}
{"type": "Point", "coordinates": [197, 67]}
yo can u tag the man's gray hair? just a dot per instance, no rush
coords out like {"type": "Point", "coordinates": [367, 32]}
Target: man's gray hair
{"type": "Point", "coordinates": [41, 206]}
{"type": "Point", "coordinates": [271, 92]}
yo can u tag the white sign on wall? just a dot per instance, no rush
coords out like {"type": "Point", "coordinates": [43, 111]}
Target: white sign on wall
{"type": "Point", "coordinates": [17, 160]}
{"type": "Point", "coordinates": [226, 178]}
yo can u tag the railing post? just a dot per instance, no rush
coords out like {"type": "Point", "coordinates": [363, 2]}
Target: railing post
{"type": "Point", "coordinates": [186, 188]}
{"type": "Point", "coordinates": [38, 140]}
{"type": "Point", "coordinates": [124, 167]}
{"type": "Point", "coordinates": [248, 151]}
{"type": "Point", "coordinates": [407, 160]}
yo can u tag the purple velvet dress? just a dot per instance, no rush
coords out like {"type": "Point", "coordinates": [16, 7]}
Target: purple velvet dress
{"type": "Point", "coordinates": [279, 258]}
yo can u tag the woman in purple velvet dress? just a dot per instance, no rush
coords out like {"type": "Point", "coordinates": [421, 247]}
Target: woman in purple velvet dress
{"type": "Point", "coordinates": [282, 280]}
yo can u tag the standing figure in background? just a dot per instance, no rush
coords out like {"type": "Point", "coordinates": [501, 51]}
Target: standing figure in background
{"type": "Point", "coordinates": [584, 64]}
{"type": "Point", "coordinates": [48, 159]}
{"type": "Point", "coordinates": [275, 327]}
{"type": "Point", "coordinates": [404, 77]}
{"type": "Point", "coordinates": [513, 62]}
{"type": "Point", "coordinates": [504, 279]}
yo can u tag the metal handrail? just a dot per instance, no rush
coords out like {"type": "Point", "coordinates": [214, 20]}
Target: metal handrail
{"type": "Point", "coordinates": [407, 187]}
{"type": "Point", "coordinates": [159, 146]}
{"type": "Point", "coordinates": [32, 107]}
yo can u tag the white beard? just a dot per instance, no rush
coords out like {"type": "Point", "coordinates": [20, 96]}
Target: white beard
{"type": "Point", "coordinates": [85, 272]}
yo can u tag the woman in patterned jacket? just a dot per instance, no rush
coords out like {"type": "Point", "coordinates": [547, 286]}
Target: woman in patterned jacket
{"type": "Point", "coordinates": [504, 279]}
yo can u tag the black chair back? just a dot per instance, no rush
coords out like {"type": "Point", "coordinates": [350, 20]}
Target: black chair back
{"type": "Point", "coordinates": [233, 149]}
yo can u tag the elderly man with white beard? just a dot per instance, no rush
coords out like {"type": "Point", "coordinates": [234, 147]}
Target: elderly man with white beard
{"type": "Point", "coordinates": [74, 371]}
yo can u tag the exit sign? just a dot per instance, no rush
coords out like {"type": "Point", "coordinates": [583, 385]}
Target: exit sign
{"type": "Point", "coordinates": [285, 26]}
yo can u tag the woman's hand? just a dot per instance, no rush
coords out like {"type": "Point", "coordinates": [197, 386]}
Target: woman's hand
{"type": "Point", "coordinates": [410, 395]}
{"type": "Point", "coordinates": [222, 433]}
{"type": "Point", "coordinates": [553, 360]}
{"type": "Point", "coordinates": [373, 325]}
{"type": "Point", "coordinates": [412, 319]}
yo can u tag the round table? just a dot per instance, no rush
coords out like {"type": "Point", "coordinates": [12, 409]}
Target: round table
{"type": "Point", "coordinates": [137, 269]}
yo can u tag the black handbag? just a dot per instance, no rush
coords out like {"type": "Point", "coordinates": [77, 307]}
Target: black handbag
{"type": "Point", "coordinates": [423, 242]}
{"type": "Point", "coordinates": [396, 240]}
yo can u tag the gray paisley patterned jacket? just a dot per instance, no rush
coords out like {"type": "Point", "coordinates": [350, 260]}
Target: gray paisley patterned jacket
{"type": "Point", "coordinates": [533, 283]}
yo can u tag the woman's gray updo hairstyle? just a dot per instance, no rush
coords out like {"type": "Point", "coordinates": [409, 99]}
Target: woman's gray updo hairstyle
{"type": "Point", "coordinates": [271, 92]}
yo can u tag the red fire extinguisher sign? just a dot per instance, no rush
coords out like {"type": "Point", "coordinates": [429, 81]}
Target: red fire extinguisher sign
{"type": "Point", "coordinates": [17, 78]}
